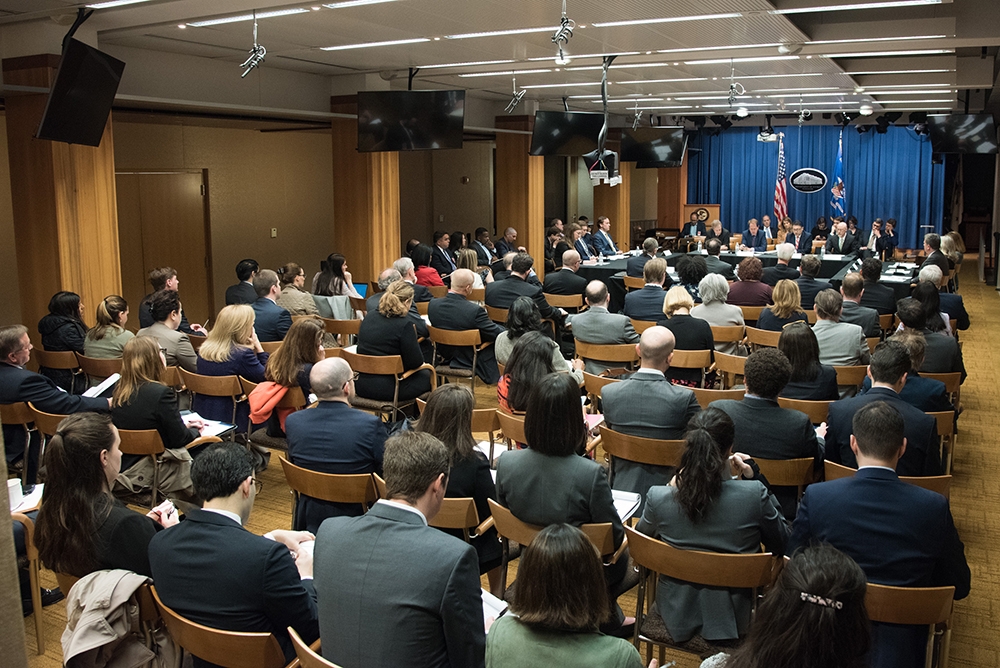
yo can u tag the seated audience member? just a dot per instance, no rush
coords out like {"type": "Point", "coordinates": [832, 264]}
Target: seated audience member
{"type": "Point", "coordinates": [483, 245]}
{"type": "Point", "coordinates": [457, 241]}
{"type": "Point", "coordinates": [405, 267]}
{"type": "Point", "coordinates": [455, 312]}
{"type": "Point", "coordinates": [390, 586]}
{"type": "Point", "coordinates": [636, 263]}
{"type": "Point", "coordinates": [564, 281]}
{"type": "Point", "coordinates": [810, 380]}
{"type": "Point", "coordinates": [646, 404]}
{"type": "Point", "coordinates": [869, 242]}
{"type": "Point", "coordinates": [713, 264]}
{"type": "Point", "coordinates": [888, 370]}
{"type": "Point", "coordinates": [926, 394]}
{"type": "Point", "coordinates": [927, 295]}
{"type": "Point", "coordinates": [213, 571]}
{"type": "Point", "coordinates": [764, 429]}
{"type": "Point", "coordinates": [814, 616]}
{"type": "Point", "coordinates": [754, 238]}
{"type": "Point", "coordinates": [243, 292]}
{"type": "Point", "coordinates": [289, 366]}
{"type": "Point", "coordinates": [502, 293]}
{"type": "Point", "coordinates": [107, 339]}
{"type": "Point", "coordinates": [448, 418]}
{"type": "Point", "coordinates": [820, 230]}
{"type": "Point", "coordinates": [932, 247]}
{"type": "Point", "coordinates": [952, 305]}
{"type": "Point", "coordinates": [786, 308]}
{"type": "Point", "coordinates": [851, 289]}
{"type": "Point", "coordinates": [555, 247]}
{"type": "Point", "coordinates": [809, 287]}
{"type": "Point", "coordinates": [876, 295]}
{"type": "Point", "coordinates": [410, 245]}
{"type": "Point", "coordinates": [166, 312]}
{"type": "Point", "coordinates": [530, 360]}
{"type": "Point", "coordinates": [165, 278]}
{"type": "Point", "coordinates": [334, 280]}
{"type": "Point", "coordinates": [798, 238]}
{"type": "Point", "coordinates": [508, 243]}
{"type": "Point", "coordinates": [840, 343]}
{"type": "Point", "coordinates": [425, 274]}
{"type": "Point", "coordinates": [232, 349]}
{"type": "Point", "coordinates": [389, 331]}
{"type": "Point", "coordinates": [62, 329]}
{"type": "Point", "coordinates": [81, 526]}
{"type": "Point", "coordinates": [690, 270]}
{"type": "Point", "coordinates": [690, 333]}
{"type": "Point", "coordinates": [714, 310]}
{"type": "Point", "coordinates": [390, 275]}
{"type": "Point", "coordinates": [942, 353]}
{"type": "Point", "coordinates": [558, 565]}
{"type": "Point", "coordinates": [781, 270]}
{"type": "Point", "coordinates": [749, 291]}
{"type": "Point", "coordinates": [716, 231]}
{"type": "Point", "coordinates": [953, 246]}
{"type": "Point", "coordinates": [294, 297]}
{"type": "Point", "coordinates": [522, 318]}
{"type": "Point", "coordinates": [899, 534]}
{"type": "Point", "coordinates": [647, 302]}
{"type": "Point", "coordinates": [549, 483]}
{"type": "Point", "coordinates": [141, 401]}
{"type": "Point", "coordinates": [842, 242]}
{"type": "Point", "coordinates": [716, 503]}
{"type": "Point", "coordinates": [765, 224]}
{"type": "Point", "coordinates": [272, 321]}
{"type": "Point", "coordinates": [597, 325]}
{"type": "Point", "coordinates": [507, 260]}
{"type": "Point", "coordinates": [442, 260]}
{"type": "Point", "coordinates": [333, 437]}
{"type": "Point", "coordinates": [466, 259]}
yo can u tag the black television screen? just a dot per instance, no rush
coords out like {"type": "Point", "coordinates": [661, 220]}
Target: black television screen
{"type": "Point", "coordinates": [654, 147]}
{"type": "Point", "coordinates": [963, 133]}
{"type": "Point", "coordinates": [410, 120]}
{"type": "Point", "coordinates": [81, 97]}
{"type": "Point", "coordinates": [565, 132]}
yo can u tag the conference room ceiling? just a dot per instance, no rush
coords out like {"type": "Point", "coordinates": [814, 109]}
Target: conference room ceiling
{"type": "Point", "coordinates": [899, 58]}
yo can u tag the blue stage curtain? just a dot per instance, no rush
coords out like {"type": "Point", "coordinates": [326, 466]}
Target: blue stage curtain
{"type": "Point", "coordinates": [887, 175]}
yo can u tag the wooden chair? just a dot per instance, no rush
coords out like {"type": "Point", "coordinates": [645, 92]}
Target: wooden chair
{"type": "Point", "coordinates": [97, 369]}
{"type": "Point", "coordinates": [947, 435]}
{"type": "Point", "coordinates": [196, 341]}
{"type": "Point", "coordinates": [872, 342]}
{"type": "Point", "coordinates": [593, 385]}
{"type": "Point", "coordinates": [564, 301]}
{"type": "Point", "coordinates": [46, 423]}
{"type": "Point", "coordinates": [923, 606]}
{"type": "Point", "coordinates": [215, 386]}
{"type": "Point", "coordinates": [624, 353]}
{"type": "Point", "coordinates": [387, 365]}
{"type": "Point", "coordinates": [654, 557]}
{"type": "Point", "coordinates": [437, 291]}
{"type": "Point", "coordinates": [635, 282]}
{"type": "Point", "coordinates": [788, 472]}
{"type": "Point", "coordinates": [307, 656]}
{"type": "Point", "coordinates": [735, 239]}
{"type": "Point", "coordinates": [693, 359]}
{"type": "Point", "coordinates": [497, 315]}
{"type": "Point", "coordinates": [651, 451]}
{"type": "Point", "coordinates": [641, 326]}
{"type": "Point", "coordinates": [19, 413]}
{"type": "Point", "coordinates": [228, 649]}
{"type": "Point", "coordinates": [952, 384]}
{"type": "Point", "coordinates": [816, 410]}
{"type": "Point", "coordinates": [762, 338]}
{"type": "Point", "coordinates": [294, 399]}
{"type": "Point", "coordinates": [336, 488]}
{"type": "Point", "coordinates": [817, 244]}
{"type": "Point", "coordinates": [885, 323]}
{"type": "Point", "coordinates": [271, 347]}
{"type": "Point", "coordinates": [59, 360]}
{"type": "Point", "coordinates": [344, 329]}
{"type": "Point", "coordinates": [374, 288]}
{"type": "Point", "coordinates": [752, 313]}
{"type": "Point", "coordinates": [729, 334]}
{"type": "Point", "coordinates": [729, 366]}
{"type": "Point", "coordinates": [512, 427]}
{"type": "Point", "coordinates": [171, 377]}
{"type": "Point", "coordinates": [935, 483]}
{"type": "Point", "coordinates": [31, 551]}
{"type": "Point", "coordinates": [423, 308]}
{"type": "Point", "coordinates": [477, 295]}
{"type": "Point", "coordinates": [466, 338]}
{"type": "Point", "coordinates": [147, 443]}
{"type": "Point", "coordinates": [331, 352]}
{"type": "Point", "coordinates": [705, 397]}
{"type": "Point", "coordinates": [461, 514]}
{"type": "Point", "coordinates": [358, 304]}
{"type": "Point", "coordinates": [811, 316]}
{"type": "Point", "coordinates": [851, 375]}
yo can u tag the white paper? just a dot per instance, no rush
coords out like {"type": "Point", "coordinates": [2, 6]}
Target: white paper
{"type": "Point", "coordinates": [30, 501]}
{"type": "Point", "coordinates": [98, 390]}
{"type": "Point", "coordinates": [493, 607]}
{"type": "Point", "coordinates": [626, 503]}
{"type": "Point", "coordinates": [211, 428]}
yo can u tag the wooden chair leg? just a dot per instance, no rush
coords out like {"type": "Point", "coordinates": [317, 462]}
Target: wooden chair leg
{"type": "Point", "coordinates": [36, 602]}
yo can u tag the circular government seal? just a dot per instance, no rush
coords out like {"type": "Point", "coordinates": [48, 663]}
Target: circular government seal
{"type": "Point", "coordinates": [807, 180]}
{"type": "Point", "coordinates": [702, 214]}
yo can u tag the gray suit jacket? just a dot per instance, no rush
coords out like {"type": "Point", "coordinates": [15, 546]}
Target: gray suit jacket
{"type": "Point", "coordinates": [176, 344]}
{"type": "Point", "coordinates": [597, 325]}
{"type": "Point", "coordinates": [862, 316]}
{"type": "Point", "coordinates": [841, 343]}
{"type": "Point", "coordinates": [391, 587]}
{"type": "Point", "coordinates": [717, 266]}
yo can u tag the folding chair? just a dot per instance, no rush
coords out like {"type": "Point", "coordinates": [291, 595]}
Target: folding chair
{"type": "Point", "coordinates": [925, 606]}
{"type": "Point", "coordinates": [466, 338]}
{"type": "Point", "coordinates": [387, 365]}
{"type": "Point", "coordinates": [705, 397]}
{"type": "Point", "coordinates": [336, 488]}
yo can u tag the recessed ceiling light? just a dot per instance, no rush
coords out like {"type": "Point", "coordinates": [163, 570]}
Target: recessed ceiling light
{"type": "Point", "coordinates": [181, 26]}
{"type": "Point", "coordinates": [858, 5]}
{"type": "Point", "coordinates": [114, 3]}
{"type": "Point", "coordinates": [916, 85]}
{"type": "Point", "coordinates": [781, 76]}
{"type": "Point", "coordinates": [938, 71]}
{"type": "Point", "coordinates": [367, 45]}
{"type": "Point", "coordinates": [592, 55]}
{"type": "Point", "coordinates": [785, 95]}
{"type": "Point", "coordinates": [248, 17]}
{"type": "Point", "coordinates": [496, 33]}
{"type": "Point", "coordinates": [618, 66]}
{"type": "Point", "coordinates": [873, 39]}
{"type": "Point", "coordinates": [915, 101]}
{"type": "Point", "coordinates": [472, 63]}
{"type": "Point", "coordinates": [632, 100]}
{"type": "Point", "coordinates": [655, 81]}
{"type": "Point", "coordinates": [666, 106]}
{"type": "Point", "coordinates": [668, 19]}
{"type": "Point", "coordinates": [758, 59]}
{"type": "Point", "coordinates": [875, 54]}
{"type": "Point", "coordinates": [354, 3]}
{"type": "Point", "coordinates": [566, 85]}
{"type": "Point", "coordinates": [709, 97]}
{"type": "Point", "coordinates": [696, 49]}
{"type": "Point", "coordinates": [794, 90]}
{"type": "Point", "coordinates": [503, 73]}
{"type": "Point", "coordinates": [742, 104]}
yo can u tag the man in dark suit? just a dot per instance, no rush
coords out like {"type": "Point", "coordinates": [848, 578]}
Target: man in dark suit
{"type": "Point", "coordinates": [647, 303]}
{"type": "Point", "coordinates": [564, 281]}
{"type": "Point", "coordinates": [213, 571]}
{"type": "Point", "coordinates": [404, 266]}
{"type": "Point", "coordinates": [693, 228]}
{"type": "Point", "coordinates": [603, 243]}
{"type": "Point", "coordinates": [716, 266]}
{"type": "Point", "coordinates": [243, 292]}
{"type": "Point", "coordinates": [888, 370]}
{"type": "Point", "coordinates": [932, 246]}
{"type": "Point", "coordinates": [485, 252]}
{"type": "Point", "coordinates": [272, 321]}
{"type": "Point", "coordinates": [716, 231]}
{"type": "Point", "coordinates": [951, 304]}
{"type": "Point", "coordinates": [798, 238]}
{"type": "Point", "coordinates": [454, 312]}
{"type": "Point", "coordinates": [942, 354]}
{"type": "Point", "coordinates": [754, 238]}
{"type": "Point", "coordinates": [634, 265]}
{"type": "Point", "coordinates": [852, 288]}
{"type": "Point", "coordinates": [441, 259]}
{"type": "Point", "coordinates": [842, 242]}
{"type": "Point", "coordinates": [809, 287]}
{"type": "Point", "coordinates": [575, 236]}
{"type": "Point", "coordinates": [925, 394]}
{"type": "Point", "coordinates": [766, 430]}
{"type": "Point", "coordinates": [165, 278]}
{"type": "Point", "coordinates": [898, 533]}
{"type": "Point", "coordinates": [390, 586]}
{"type": "Point", "coordinates": [880, 297]}
{"type": "Point", "coordinates": [333, 437]}
{"type": "Point", "coordinates": [501, 294]}
{"type": "Point", "coordinates": [781, 270]}
{"type": "Point", "coordinates": [597, 325]}
{"type": "Point", "coordinates": [509, 243]}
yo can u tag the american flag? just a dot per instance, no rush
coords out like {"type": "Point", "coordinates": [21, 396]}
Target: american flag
{"type": "Point", "coordinates": [780, 194]}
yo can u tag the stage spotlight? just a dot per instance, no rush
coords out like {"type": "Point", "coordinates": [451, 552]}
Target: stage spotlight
{"type": "Point", "coordinates": [862, 129]}
{"type": "Point", "coordinates": [918, 117]}
{"type": "Point", "coordinates": [881, 124]}
{"type": "Point", "coordinates": [742, 112]}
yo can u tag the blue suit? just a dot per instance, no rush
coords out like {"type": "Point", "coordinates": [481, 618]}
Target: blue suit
{"type": "Point", "coordinates": [272, 321]}
{"type": "Point", "coordinates": [757, 242]}
{"type": "Point", "coordinates": [926, 394]}
{"type": "Point", "coordinates": [954, 307]}
{"type": "Point", "coordinates": [898, 533]}
{"type": "Point", "coordinates": [454, 312]}
{"type": "Point", "coordinates": [645, 304]}
{"type": "Point", "coordinates": [602, 245]}
{"type": "Point", "coordinates": [581, 247]}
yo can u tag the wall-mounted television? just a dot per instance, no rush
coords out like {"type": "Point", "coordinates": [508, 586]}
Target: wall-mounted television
{"type": "Point", "coordinates": [565, 132]}
{"type": "Point", "coordinates": [963, 133]}
{"type": "Point", "coordinates": [410, 120]}
{"type": "Point", "coordinates": [654, 147]}
{"type": "Point", "coordinates": [81, 96]}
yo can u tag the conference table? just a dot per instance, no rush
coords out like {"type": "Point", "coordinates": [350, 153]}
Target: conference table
{"type": "Point", "coordinates": [897, 275]}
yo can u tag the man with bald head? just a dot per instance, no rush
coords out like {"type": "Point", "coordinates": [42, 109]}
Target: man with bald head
{"type": "Point", "coordinates": [333, 437]}
{"type": "Point", "coordinates": [454, 312]}
{"type": "Point", "coordinates": [564, 281]}
{"type": "Point", "coordinates": [598, 325]}
{"type": "Point", "coordinates": [842, 242]}
{"type": "Point", "coordinates": [509, 243]}
{"type": "Point", "coordinates": [646, 404]}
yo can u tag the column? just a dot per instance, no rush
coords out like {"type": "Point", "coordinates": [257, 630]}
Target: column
{"type": "Point", "coordinates": [671, 196]}
{"type": "Point", "coordinates": [520, 187]}
{"type": "Point", "coordinates": [616, 203]}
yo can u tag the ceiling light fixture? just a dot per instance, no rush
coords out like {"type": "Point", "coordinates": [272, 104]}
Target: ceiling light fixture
{"type": "Point", "coordinates": [873, 39]}
{"type": "Point", "coordinates": [698, 49]}
{"type": "Point", "coordinates": [758, 59]}
{"type": "Point", "coordinates": [639, 82]}
{"type": "Point", "coordinates": [368, 45]}
{"type": "Point", "coordinates": [866, 110]}
{"type": "Point", "coordinates": [884, 102]}
{"type": "Point", "coordinates": [858, 5]}
{"type": "Point", "coordinates": [504, 73]}
{"type": "Point", "coordinates": [742, 112]}
{"type": "Point", "coordinates": [877, 54]}
{"type": "Point", "coordinates": [736, 89]}
{"type": "Point", "coordinates": [623, 66]}
{"type": "Point", "coordinates": [354, 3]}
{"type": "Point", "coordinates": [499, 33]}
{"type": "Point", "coordinates": [783, 76]}
{"type": "Point", "coordinates": [581, 56]}
{"type": "Point", "coordinates": [668, 19]}
{"type": "Point", "coordinates": [876, 72]}
{"type": "Point", "coordinates": [566, 85]}
{"type": "Point", "coordinates": [248, 17]}
{"type": "Point", "coordinates": [630, 100]}
{"type": "Point", "coordinates": [795, 90]}
{"type": "Point", "coordinates": [473, 63]}
{"type": "Point", "coordinates": [114, 3]}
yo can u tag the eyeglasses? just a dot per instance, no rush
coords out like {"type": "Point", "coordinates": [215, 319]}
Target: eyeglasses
{"type": "Point", "coordinates": [258, 485]}
{"type": "Point", "coordinates": [355, 377]}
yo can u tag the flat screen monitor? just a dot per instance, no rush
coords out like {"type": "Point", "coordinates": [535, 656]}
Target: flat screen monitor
{"type": "Point", "coordinates": [963, 133]}
{"type": "Point", "coordinates": [410, 120]}
{"type": "Point", "coordinates": [81, 97]}
{"type": "Point", "coordinates": [654, 147]}
{"type": "Point", "coordinates": [565, 132]}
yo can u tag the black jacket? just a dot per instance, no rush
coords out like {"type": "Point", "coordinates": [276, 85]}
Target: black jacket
{"type": "Point", "coordinates": [880, 297]}
{"type": "Point", "coordinates": [564, 282]}
{"type": "Point", "coordinates": [501, 294]}
{"type": "Point", "coordinates": [779, 272]}
{"type": "Point", "coordinates": [153, 406]}
{"type": "Point", "coordinates": [454, 312]}
{"type": "Point", "coordinates": [241, 293]}
{"type": "Point", "coordinates": [60, 333]}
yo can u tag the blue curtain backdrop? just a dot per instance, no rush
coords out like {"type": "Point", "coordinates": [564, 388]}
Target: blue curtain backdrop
{"type": "Point", "coordinates": [886, 175]}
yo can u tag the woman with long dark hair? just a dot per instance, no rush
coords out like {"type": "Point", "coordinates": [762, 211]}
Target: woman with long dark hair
{"type": "Point", "coordinates": [107, 339]}
{"type": "Point", "coordinates": [820, 230]}
{"type": "Point", "coordinates": [691, 269]}
{"type": "Point", "coordinates": [63, 329]}
{"type": "Point", "coordinates": [810, 380]}
{"type": "Point", "coordinates": [530, 360]}
{"type": "Point", "coordinates": [930, 299]}
{"type": "Point", "coordinates": [334, 280]}
{"type": "Point", "coordinates": [705, 508]}
{"type": "Point", "coordinates": [425, 273]}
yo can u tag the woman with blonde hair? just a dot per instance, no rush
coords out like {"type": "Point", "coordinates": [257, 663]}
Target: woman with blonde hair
{"type": "Point", "coordinates": [787, 307]}
{"type": "Point", "coordinates": [231, 349]}
{"type": "Point", "coordinates": [107, 339]}
{"type": "Point", "coordinates": [467, 259]}
{"type": "Point", "coordinates": [294, 297]}
{"type": "Point", "coordinates": [690, 333]}
{"type": "Point", "coordinates": [388, 331]}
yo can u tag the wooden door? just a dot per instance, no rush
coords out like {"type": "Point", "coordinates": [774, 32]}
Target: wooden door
{"type": "Point", "coordinates": [163, 221]}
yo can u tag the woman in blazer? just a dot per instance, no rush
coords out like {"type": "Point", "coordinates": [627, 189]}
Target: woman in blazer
{"type": "Point", "coordinates": [810, 380]}
{"type": "Point", "coordinates": [713, 309]}
{"type": "Point", "coordinates": [690, 333]}
{"type": "Point", "coordinates": [787, 307]}
{"type": "Point", "coordinates": [749, 290]}
{"type": "Point", "coordinates": [107, 339]}
{"type": "Point", "coordinates": [62, 329]}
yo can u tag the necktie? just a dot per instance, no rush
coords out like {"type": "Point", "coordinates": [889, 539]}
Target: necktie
{"type": "Point", "coordinates": [840, 243]}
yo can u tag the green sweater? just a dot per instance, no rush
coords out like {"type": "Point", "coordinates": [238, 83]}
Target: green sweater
{"type": "Point", "coordinates": [515, 645]}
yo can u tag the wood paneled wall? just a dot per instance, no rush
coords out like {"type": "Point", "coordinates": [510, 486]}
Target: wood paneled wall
{"type": "Point", "coordinates": [671, 195]}
{"type": "Point", "coordinates": [520, 187]}
{"type": "Point", "coordinates": [616, 203]}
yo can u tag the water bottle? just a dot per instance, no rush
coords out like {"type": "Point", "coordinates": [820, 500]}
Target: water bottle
{"type": "Point", "coordinates": [600, 258]}
{"type": "Point", "coordinates": [699, 246]}
{"type": "Point", "coordinates": [822, 251]}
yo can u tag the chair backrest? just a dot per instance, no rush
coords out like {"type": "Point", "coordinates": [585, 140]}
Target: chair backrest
{"type": "Point", "coordinates": [751, 313]}
{"type": "Point", "coordinates": [851, 375]}
{"type": "Point", "coordinates": [952, 381]}
{"type": "Point", "coordinates": [51, 359]}
{"type": "Point", "coordinates": [307, 656]}
{"type": "Point", "coordinates": [729, 333]}
{"type": "Point", "coordinates": [331, 352]}
{"type": "Point", "coordinates": [374, 288]}
{"type": "Point", "coordinates": [346, 327]}
{"type": "Point", "coordinates": [496, 314]}
{"type": "Point", "coordinates": [270, 346]}
{"type": "Point", "coordinates": [909, 605]}
{"type": "Point", "coordinates": [812, 317]}
{"type": "Point", "coordinates": [483, 419]}
{"type": "Point", "coordinates": [833, 471]}
{"type": "Point", "coordinates": [818, 243]}
{"type": "Point", "coordinates": [641, 326]}
{"type": "Point", "coordinates": [736, 238]}
{"type": "Point", "coordinates": [816, 410]}
{"type": "Point", "coordinates": [196, 341]}
{"type": "Point", "coordinates": [212, 386]}
{"type": "Point", "coordinates": [358, 304]}
{"type": "Point", "coordinates": [634, 282]}
{"type": "Point", "coordinates": [423, 308]}
{"type": "Point", "coordinates": [140, 442]}
{"type": "Point", "coordinates": [711, 569]}
{"type": "Point", "coordinates": [456, 513]}
{"type": "Point", "coordinates": [594, 384]}
{"type": "Point", "coordinates": [448, 337]}
{"type": "Point", "coordinates": [437, 290]}
{"type": "Point", "coordinates": [511, 528]}
{"type": "Point", "coordinates": [564, 301]}
{"type": "Point", "coordinates": [763, 337]}
{"type": "Point", "coordinates": [512, 426]}
{"type": "Point", "coordinates": [97, 367]}
{"type": "Point", "coordinates": [228, 649]}
{"type": "Point", "coordinates": [294, 398]}
{"type": "Point", "coordinates": [47, 423]}
{"type": "Point", "coordinates": [935, 483]}
{"type": "Point", "coordinates": [945, 422]}
{"type": "Point", "coordinates": [171, 377]}
{"type": "Point", "coordinates": [691, 359]}
{"type": "Point", "coordinates": [885, 321]}
{"type": "Point", "coordinates": [705, 397]}
{"type": "Point", "coordinates": [609, 352]}
{"type": "Point", "coordinates": [477, 295]}
{"type": "Point", "coordinates": [729, 365]}
{"type": "Point", "coordinates": [16, 413]}
{"type": "Point", "coordinates": [787, 472]}
{"type": "Point", "coordinates": [377, 365]}
{"type": "Point", "coordinates": [336, 488]}
{"type": "Point", "coordinates": [652, 451]}
{"type": "Point", "coordinates": [872, 342]}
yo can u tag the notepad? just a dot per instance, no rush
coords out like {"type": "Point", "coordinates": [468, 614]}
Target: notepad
{"type": "Point", "coordinates": [98, 390]}
{"type": "Point", "coordinates": [212, 427]}
{"type": "Point", "coordinates": [30, 501]}
{"type": "Point", "coordinates": [493, 608]}
{"type": "Point", "coordinates": [626, 503]}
